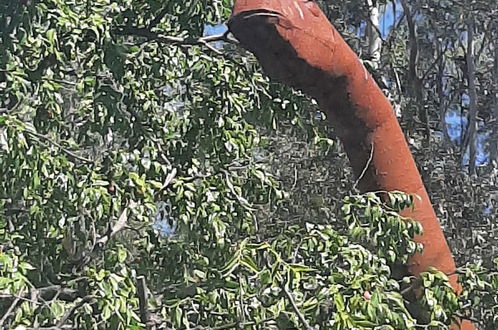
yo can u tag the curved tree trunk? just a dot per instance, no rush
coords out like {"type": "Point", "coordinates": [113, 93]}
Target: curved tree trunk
{"type": "Point", "coordinates": [296, 44]}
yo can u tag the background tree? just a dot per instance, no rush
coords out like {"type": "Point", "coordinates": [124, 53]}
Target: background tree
{"type": "Point", "coordinates": [441, 144]}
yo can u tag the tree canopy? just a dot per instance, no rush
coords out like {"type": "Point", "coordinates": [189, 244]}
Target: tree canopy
{"type": "Point", "coordinates": [153, 177]}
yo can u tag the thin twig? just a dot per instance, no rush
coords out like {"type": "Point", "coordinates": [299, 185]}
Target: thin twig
{"type": "Point", "coordinates": [4, 111]}
{"type": "Point", "coordinates": [241, 301]}
{"type": "Point", "coordinates": [153, 23]}
{"type": "Point", "coordinates": [153, 36]}
{"type": "Point", "coordinates": [433, 64]}
{"type": "Point", "coordinates": [55, 144]}
{"type": "Point", "coordinates": [295, 179]}
{"type": "Point", "coordinates": [365, 168]}
{"type": "Point", "coordinates": [300, 315]}
{"type": "Point", "coordinates": [45, 291]}
{"type": "Point", "coordinates": [61, 81]}
{"type": "Point", "coordinates": [9, 310]}
{"type": "Point", "coordinates": [65, 327]}
{"type": "Point", "coordinates": [240, 199]}
{"type": "Point", "coordinates": [71, 311]}
{"type": "Point", "coordinates": [235, 324]}
{"type": "Point", "coordinates": [23, 298]}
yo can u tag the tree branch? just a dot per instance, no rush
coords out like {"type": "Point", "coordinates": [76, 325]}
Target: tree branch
{"type": "Point", "coordinates": [433, 64]}
{"type": "Point", "coordinates": [55, 144]}
{"type": "Point", "coordinates": [365, 168]}
{"type": "Point", "coordinates": [143, 300]}
{"type": "Point", "coordinates": [234, 325]}
{"type": "Point", "coordinates": [300, 315]}
{"type": "Point", "coordinates": [153, 36]}
{"type": "Point", "coordinates": [71, 311]}
{"type": "Point", "coordinates": [11, 308]}
{"type": "Point", "coordinates": [46, 293]}
{"type": "Point", "coordinates": [156, 20]}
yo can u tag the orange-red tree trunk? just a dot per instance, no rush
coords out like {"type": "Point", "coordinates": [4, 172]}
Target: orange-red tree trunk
{"type": "Point", "coordinates": [296, 44]}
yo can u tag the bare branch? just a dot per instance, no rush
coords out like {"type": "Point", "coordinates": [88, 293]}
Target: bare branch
{"type": "Point", "coordinates": [365, 168]}
{"type": "Point", "coordinates": [235, 324]}
{"type": "Point", "coordinates": [300, 315]}
{"type": "Point", "coordinates": [65, 327]}
{"type": "Point", "coordinates": [71, 311]}
{"type": "Point", "coordinates": [153, 23]}
{"type": "Point", "coordinates": [9, 311]}
{"type": "Point", "coordinates": [55, 144]}
{"type": "Point", "coordinates": [433, 64]}
{"type": "Point", "coordinates": [153, 36]}
{"type": "Point", "coordinates": [4, 111]}
{"type": "Point", "coordinates": [143, 299]}
{"type": "Point", "coordinates": [45, 293]}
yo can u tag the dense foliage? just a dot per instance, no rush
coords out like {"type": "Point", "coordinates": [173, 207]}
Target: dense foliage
{"type": "Point", "coordinates": [153, 177]}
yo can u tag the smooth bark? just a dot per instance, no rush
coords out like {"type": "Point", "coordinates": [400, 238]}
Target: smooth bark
{"type": "Point", "coordinates": [296, 44]}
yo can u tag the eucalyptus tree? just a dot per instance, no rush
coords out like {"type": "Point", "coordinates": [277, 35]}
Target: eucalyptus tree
{"type": "Point", "coordinates": [136, 191]}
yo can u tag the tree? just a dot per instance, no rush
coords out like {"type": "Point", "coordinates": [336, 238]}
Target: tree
{"type": "Point", "coordinates": [463, 203]}
{"type": "Point", "coordinates": [302, 49]}
{"type": "Point", "coordinates": [137, 192]}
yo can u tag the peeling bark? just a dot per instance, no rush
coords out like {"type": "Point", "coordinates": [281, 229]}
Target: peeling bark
{"type": "Point", "coordinates": [296, 44]}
